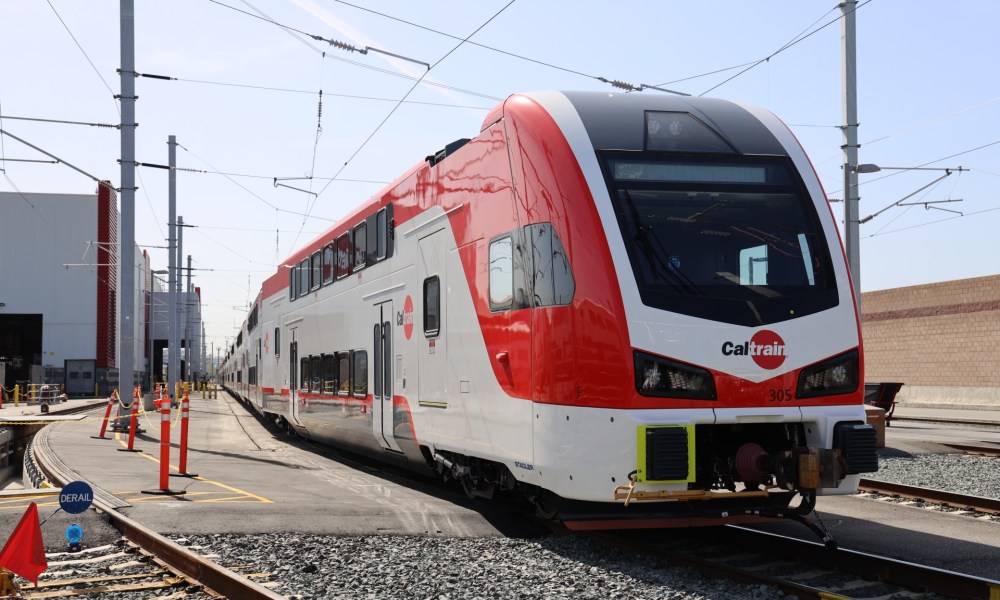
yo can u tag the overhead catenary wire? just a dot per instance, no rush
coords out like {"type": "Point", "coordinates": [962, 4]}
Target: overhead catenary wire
{"type": "Point", "coordinates": [85, 55]}
{"type": "Point", "coordinates": [795, 40]}
{"type": "Point", "coordinates": [398, 104]}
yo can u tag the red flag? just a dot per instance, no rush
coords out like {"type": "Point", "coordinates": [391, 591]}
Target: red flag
{"type": "Point", "coordinates": [24, 552]}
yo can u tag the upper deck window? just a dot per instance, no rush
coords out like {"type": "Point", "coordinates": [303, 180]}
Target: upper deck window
{"type": "Point", "coordinates": [735, 240]}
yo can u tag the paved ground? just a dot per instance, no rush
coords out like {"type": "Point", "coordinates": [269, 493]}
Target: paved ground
{"type": "Point", "coordinates": [248, 481]}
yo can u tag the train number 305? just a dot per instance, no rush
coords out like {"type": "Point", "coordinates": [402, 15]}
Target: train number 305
{"type": "Point", "coordinates": [780, 395]}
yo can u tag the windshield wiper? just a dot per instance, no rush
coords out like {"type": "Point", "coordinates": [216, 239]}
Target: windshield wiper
{"type": "Point", "coordinates": [657, 254]}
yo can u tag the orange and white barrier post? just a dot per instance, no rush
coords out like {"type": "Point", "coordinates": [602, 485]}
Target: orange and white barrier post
{"type": "Point", "coordinates": [112, 399]}
{"type": "Point", "coordinates": [182, 468]}
{"type": "Point", "coordinates": [164, 489]}
{"type": "Point", "coordinates": [133, 425]}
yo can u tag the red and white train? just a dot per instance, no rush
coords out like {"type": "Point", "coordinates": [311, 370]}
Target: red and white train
{"type": "Point", "coordinates": [600, 300]}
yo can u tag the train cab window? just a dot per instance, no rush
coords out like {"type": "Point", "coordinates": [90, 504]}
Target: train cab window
{"type": "Point", "coordinates": [501, 263]}
{"type": "Point", "coordinates": [360, 246]}
{"type": "Point", "coordinates": [381, 234]}
{"type": "Point", "coordinates": [316, 370]}
{"type": "Point", "coordinates": [329, 374]}
{"type": "Point", "coordinates": [733, 239]}
{"type": "Point", "coordinates": [344, 373]}
{"type": "Point", "coordinates": [344, 250]}
{"type": "Point", "coordinates": [304, 375]}
{"type": "Point", "coordinates": [317, 270]}
{"type": "Point", "coordinates": [293, 282]}
{"type": "Point", "coordinates": [328, 255]}
{"type": "Point", "coordinates": [432, 306]}
{"type": "Point", "coordinates": [304, 272]}
{"type": "Point", "coordinates": [360, 371]}
{"type": "Point", "coordinates": [277, 342]}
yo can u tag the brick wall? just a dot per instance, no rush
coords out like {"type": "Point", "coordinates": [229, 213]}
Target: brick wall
{"type": "Point", "coordinates": [942, 334]}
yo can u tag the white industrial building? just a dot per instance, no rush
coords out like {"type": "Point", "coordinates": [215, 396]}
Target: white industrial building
{"type": "Point", "coordinates": [59, 294]}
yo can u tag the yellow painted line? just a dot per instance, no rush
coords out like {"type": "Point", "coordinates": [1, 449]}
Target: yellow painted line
{"type": "Point", "coordinates": [202, 479]}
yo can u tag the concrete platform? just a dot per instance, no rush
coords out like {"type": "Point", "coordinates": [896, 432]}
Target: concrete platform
{"type": "Point", "coordinates": [248, 481]}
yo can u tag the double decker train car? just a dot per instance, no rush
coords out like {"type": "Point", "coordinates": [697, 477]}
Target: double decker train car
{"type": "Point", "coordinates": [629, 308]}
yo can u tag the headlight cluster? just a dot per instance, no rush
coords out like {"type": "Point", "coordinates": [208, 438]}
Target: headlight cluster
{"type": "Point", "coordinates": [656, 376]}
{"type": "Point", "coordinates": [838, 375]}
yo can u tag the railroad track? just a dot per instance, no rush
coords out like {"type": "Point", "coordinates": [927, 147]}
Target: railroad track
{"type": "Point", "coordinates": [193, 573]}
{"type": "Point", "coordinates": [805, 569]}
{"type": "Point", "coordinates": [953, 500]}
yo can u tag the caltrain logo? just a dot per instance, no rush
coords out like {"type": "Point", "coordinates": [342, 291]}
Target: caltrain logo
{"type": "Point", "coordinates": [766, 348]}
{"type": "Point", "coordinates": [405, 318]}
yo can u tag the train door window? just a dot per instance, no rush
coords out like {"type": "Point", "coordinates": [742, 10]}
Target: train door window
{"type": "Point", "coordinates": [344, 255]}
{"type": "Point", "coordinates": [360, 246]}
{"type": "Point", "coordinates": [329, 374]}
{"type": "Point", "coordinates": [328, 255]}
{"type": "Point", "coordinates": [382, 234]}
{"type": "Point", "coordinates": [259, 355]}
{"type": "Point", "coordinates": [293, 350]}
{"type": "Point", "coordinates": [293, 283]}
{"type": "Point", "coordinates": [344, 371]}
{"type": "Point", "coordinates": [304, 375]}
{"type": "Point", "coordinates": [315, 369]}
{"type": "Point", "coordinates": [317, 270]}
{"type": "Point", "coordinates": [377, 392]}
{"type": "Point", "coordinates": [360, 360]}
{"type": "Point", "coordinates": [277, 342]}
{"type": "Point", "coordinates": [304, 272]}
{"type": "Point", "coordinates": [432, 306]}
{"type": "Point", "coordinates": [501, 263]}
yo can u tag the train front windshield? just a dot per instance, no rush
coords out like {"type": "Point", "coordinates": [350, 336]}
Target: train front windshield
{"type": "Point", "coordinates": [730, 239]}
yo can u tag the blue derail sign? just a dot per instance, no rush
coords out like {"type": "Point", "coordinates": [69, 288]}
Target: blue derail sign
{"type": "Point", "coordinates": [76, 497]}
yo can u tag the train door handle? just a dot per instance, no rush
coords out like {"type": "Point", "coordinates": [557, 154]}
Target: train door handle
{"type": "Point", "coordinates": [503, 358]}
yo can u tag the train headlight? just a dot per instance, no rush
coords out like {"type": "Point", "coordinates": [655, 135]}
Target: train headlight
{"type": "Point", "coordinates": [838, 375]}
{"type": "Point", "coordinates": [655, 376]}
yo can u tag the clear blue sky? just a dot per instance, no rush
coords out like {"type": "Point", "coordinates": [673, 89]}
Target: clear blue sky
{"type": "Point", "coordinates": [928, 89]}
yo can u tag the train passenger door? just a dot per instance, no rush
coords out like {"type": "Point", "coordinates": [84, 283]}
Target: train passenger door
{"type": "Point", "coordinates": [432, 349]}
{"type": "Point", "coordinates": [383, 404]}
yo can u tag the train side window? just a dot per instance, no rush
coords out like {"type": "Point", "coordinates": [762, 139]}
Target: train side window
{"type": "Point", "coordinates": [360, 359]}
{"type": "Point", "coordinates": [277, 342]}
{"type": "Point", "coordinates": [317, 270]}
{"type": "Point", "coordinates": [316, 369]}
{"type": "Point", "coordinates": [344, 256]}
{"type": "Point", "coordinates": [304, 272]}
{"type": "Point", "coordinates": [293, 282]}
{"type": "Point", "coordinates": [304, 375]}
{"type": "Point", "coordinates": [328, 255]}
{"type": "Point", "coordinates": [360, 246]}
{"type": "Point", "coordinates": [329, 374]}
{"type": "Point", "coordinates": [432, 306]}
{"type": "Point", "coordinates": [382, 234]}
{"type": "Point", "coordinates": [501, 261]}
{"type": "Point", "coordinates": [344, 368]}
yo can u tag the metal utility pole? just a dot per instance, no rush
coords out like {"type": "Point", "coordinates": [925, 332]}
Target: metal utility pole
{"type": "Point", "coordinates": [172, 266]}
{"type": "Point", "coordinates": [179, 317]}
{"type": "Point", "coordinates": [189, 350]}
{"type": "Point", "coordinates": [849, 77]}
{"type": "Point", "coordinates": [126, 327]}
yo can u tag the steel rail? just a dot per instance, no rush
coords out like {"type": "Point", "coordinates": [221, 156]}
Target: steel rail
{"type": "Point", "coordinates": [215, 577]}
{"type": "Point", "coordinates": [952, 499]}
{"type": "Point", "coordinates": [944, 420]}
{"type": "Point", "coordinates": [872, 566]}
{"type": "Point", "coordinates": [863, 565]}
{"type": "Point", "coordinates": [972, 449]}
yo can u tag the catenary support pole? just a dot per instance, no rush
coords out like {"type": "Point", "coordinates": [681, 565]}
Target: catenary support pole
{"type": "Point", "coordinates": [126, 270]}
{"type": "Point", "coordinates": [172, 263]}
{"type": "Point", "coordinates": [849, 76]}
